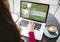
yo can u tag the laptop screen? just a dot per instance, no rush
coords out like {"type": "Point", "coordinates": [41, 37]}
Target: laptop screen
{"type": "Point", "coordinates": [34, 11]}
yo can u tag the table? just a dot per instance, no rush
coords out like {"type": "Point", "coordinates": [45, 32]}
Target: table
{"type": "Point", "coordinates": [44, 39]}
{"type": "Point", "coordinates": [50, 20]}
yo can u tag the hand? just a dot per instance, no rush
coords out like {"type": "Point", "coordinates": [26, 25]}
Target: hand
{"type": "Point", "coordinates": [31, 26]}
{"type": "Point", "coordinates": [18, 26]}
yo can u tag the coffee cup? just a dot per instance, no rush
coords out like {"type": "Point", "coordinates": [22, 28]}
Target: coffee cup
{"type": "Point", "coordinates": [52, 29]}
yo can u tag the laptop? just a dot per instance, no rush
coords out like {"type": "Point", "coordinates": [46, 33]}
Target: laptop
{"type": "Point", "coordinates": [35, 12]}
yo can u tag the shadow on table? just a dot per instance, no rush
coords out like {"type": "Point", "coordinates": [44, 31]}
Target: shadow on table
{"type": "Point", "coordinates": [51, 19]}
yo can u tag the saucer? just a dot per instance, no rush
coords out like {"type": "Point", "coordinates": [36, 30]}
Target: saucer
{"type": "Point", "coordinates": [47, 34]}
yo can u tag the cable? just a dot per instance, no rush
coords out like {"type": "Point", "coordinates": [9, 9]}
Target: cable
{"type": "Point", "coordinates": [57, 7]}
{"type": "Point", "coordinates": [56, 10]}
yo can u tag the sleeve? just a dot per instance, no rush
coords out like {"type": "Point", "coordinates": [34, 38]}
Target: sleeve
{"type": "Point", "coordinates": [32, 37]}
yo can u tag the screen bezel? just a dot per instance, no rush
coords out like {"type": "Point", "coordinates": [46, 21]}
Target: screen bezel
{"type": "Point", "coordinates": [36, 3]}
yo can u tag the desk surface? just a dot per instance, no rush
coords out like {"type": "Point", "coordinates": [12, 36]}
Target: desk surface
{"type": "Point", "coordinates": [50, 20]}
{"type": "Point", "coordinates": [44, 39]}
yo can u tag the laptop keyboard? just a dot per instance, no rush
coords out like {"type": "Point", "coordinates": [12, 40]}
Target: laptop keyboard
{"type": "Point", "coordinates": [37, 26]}
{"type": "Point", "coordinates": [25, 23]}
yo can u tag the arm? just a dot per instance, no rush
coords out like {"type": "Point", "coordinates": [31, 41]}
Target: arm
{"type": "Point", "coordinates": [32, 37]}
{"type": "Point", "coordinates": [31, 32]}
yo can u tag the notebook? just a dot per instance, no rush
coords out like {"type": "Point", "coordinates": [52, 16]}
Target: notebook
{"type": "Point", "coordinates": [35, 12]}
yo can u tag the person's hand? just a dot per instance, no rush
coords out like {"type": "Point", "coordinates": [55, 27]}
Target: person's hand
{"type": "Point", "coordinates": [18, 26]}
{"type": "Point", "coordinates": [31, 26]}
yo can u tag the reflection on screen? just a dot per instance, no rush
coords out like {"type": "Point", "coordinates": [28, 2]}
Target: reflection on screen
{"type": "Point", "coordinates": [34, 11]}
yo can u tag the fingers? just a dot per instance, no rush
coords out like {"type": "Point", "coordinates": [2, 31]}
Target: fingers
{"type": "Point", "coordinates": [31, 26]}
{"type": "Point", "coordinates": [18, 26]}
{"type": "Point", "coordinates": [31, 23]}
{"type": "Point", "coordinates": [17, 22]}
{"type": "Point", "coordinates": [34, 25]}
